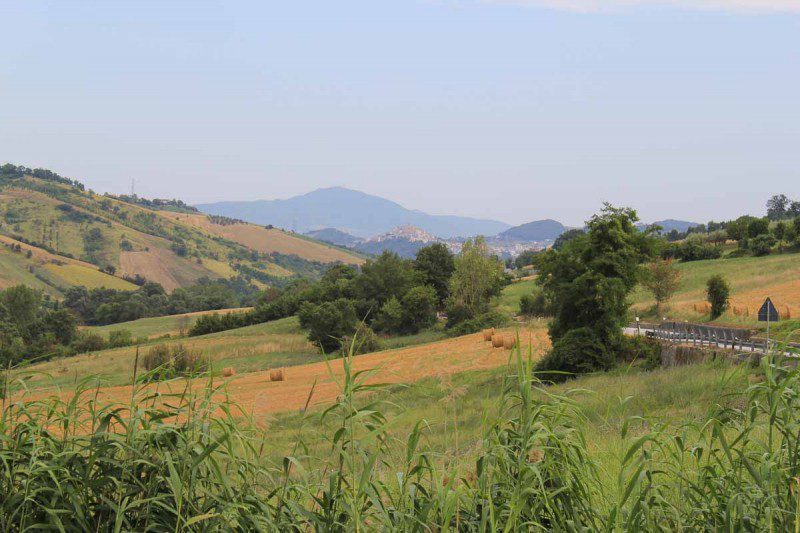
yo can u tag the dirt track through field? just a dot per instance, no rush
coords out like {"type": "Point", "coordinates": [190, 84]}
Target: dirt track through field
{"type": "Point", "coordinates": [255, 393]}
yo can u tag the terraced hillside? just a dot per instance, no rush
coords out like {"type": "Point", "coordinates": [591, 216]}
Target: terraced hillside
{"type": "Point", "coordinates": [51, 273]}
{"type": "Point", "coordinates": [265, 240]}
{"type": "Point", "coordinates": [127, 237]}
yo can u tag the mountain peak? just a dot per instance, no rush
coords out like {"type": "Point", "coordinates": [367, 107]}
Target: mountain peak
{"type": "Point", "coordinates": [536, 231]}
{"type": "Point", "coordinates": [355, 212]}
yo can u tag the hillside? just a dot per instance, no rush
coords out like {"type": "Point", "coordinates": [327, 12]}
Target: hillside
{"type": "Point", "coordinates": [353, 212]}
{"type": "Point", "coordinates": [536, 231]}
{"type": "Point", "coordinates": [128, 237]}
{"type": "Point", "coordinates": [334, 236]}
{"type": "Point", "coordinates": [752, 279]}
{"type": "Point", "coordinates": [670, 224]}
{"type": "Point", "coordinates": [266, 240]}
{"type": "Point", "coordinates": [22, 263]}
{"type": "Point", "coordinates": [405, 241]}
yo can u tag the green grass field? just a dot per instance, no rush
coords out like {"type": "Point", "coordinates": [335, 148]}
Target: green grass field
{"type": "Point", "coordinates": [259, 347]}
{"type": "Point", "coordinates": [752, 279]}
{"type": "Point", "coordinates": [508, 302]}
{"type": "Point", "coordinates": [456, 410]}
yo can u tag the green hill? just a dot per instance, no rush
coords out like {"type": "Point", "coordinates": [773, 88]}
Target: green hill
{"type": "Point", "coordinates": [129, 238]}
{"type": "Point", "coordinates": [752, 279]}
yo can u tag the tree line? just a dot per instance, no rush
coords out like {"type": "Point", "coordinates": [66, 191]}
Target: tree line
{"type": "Point", "coordinates": [102, 306]}
{"type": "Point", "coordinates": [388, 294]}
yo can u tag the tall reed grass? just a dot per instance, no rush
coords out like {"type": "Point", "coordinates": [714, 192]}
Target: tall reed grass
{"type": "Point", "coordinates": [192, 461]}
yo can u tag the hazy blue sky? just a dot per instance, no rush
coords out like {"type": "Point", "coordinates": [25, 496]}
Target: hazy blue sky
{"type": "Point", "coordinates": [511, 110]}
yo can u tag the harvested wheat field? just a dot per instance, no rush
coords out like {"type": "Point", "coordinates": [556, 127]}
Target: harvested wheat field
{"type": "Point", "coordinates": [163, 266]}
{"type": "Point", "coordinates": [260, 394]}
{"type": "Point", "coordinates": [268, 240]}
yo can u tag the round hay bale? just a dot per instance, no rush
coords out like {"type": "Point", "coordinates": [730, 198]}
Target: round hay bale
{"type": "Point", "coordinates": [276, 375]}
{"type": "Point", "coordinates": [510, 342]}
{"type": "Point", "coordinates": [497, 341]}
{"type": "Point", "coordinates": [487, 334]}
{"type": "Point", "coordinates": [228, 371]}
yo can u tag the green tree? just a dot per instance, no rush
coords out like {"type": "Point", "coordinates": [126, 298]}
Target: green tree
{"type": "Point", "coordinates": [22, 305]}
{"type": "Point", "coordinates": [738, 229]}
{"type": "Point", "coordinates": [478, 276]}
{"type": "Point", "coordinates": [780, 231]}
{"type": "Point", "coordinates": [390, 316]}
{"type": "Point", "coordinates": [777, 207]}
{"type": "Point", "coordinates": [62, 324]}
{"type": "Point", "coordinates": [759, 226]}
{"type": "Point", "coordinates": [535, 304]}
{"type": "Point", "coordinates": [526, 258]}
{"type": "Point", "coordinates": [567, 236]}
{"type": "Point", "coordinates": [663, 279]}
{"type": "Point", "coordinates": [436, 264]}
{"type": "Point", "coordinates": [762, 245]}
{"type": "Point", "coordinates": [388, 275]}
{"type": "Point", "coordinates": [718, 293]}
{"type": "Point", "coordinates": [419, 308]}
{"type": "Point", "coordinates": [587, 282]}
{"type": "Point", "coordinates": [793, 233]}
{"type": "Point", "coordinates": [328, 323]}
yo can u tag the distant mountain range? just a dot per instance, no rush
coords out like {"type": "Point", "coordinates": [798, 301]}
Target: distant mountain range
{"type": "Point", "coordinates": [536, 231]}
{"type": "Point", "coordinates": [671, 224]}
{"type": "Point", "coordinates": [353, 212]}
{"type": "Point", "coordinates": [371, 224]}
{"type": "Point", "coordinates": [335, 236]}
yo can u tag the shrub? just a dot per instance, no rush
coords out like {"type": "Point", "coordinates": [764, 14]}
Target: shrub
{"type": "Point", "coordinates": [490, 319]}
{"type": "Point", "coordinates": [534, 304]}
{"type": "Point", "coordinates": [578, 351]}
{"type": "Point", "coordinates": [363, 341]}
{"type": "Point", "coordinates": [390, 317]}
{"type": "Point", "coordinates": [641, 350]}
{"type": "Point", "coordinates": [691, 250]}
{"type": "Point", "coordinates": [156, 357]}
{"type": "Point", "coordinates": [120, 337]}
{"type": "Point", "coordinates": [167, 362]}
{"type": "Point", "coordinates": [762, 245]}
{"type": "Point", "coordinates": [718, 292]}
{"type": "Point", "coordinates": [419, 308]}
{"type": "Point", "coordinates": [89, 342]}
{"type": "Point", "coordinates": [328, 322]}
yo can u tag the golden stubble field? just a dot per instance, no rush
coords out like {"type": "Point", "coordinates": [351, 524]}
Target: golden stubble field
{"type": "Point", "coordinates": [254, 393]}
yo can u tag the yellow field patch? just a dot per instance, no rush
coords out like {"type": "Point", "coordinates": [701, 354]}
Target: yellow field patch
{"type": "Point", "coordinates": [223, 270]}
{"type": "Point", "coordinates": [266, 240]}
{"type": "Point", "coordinates": [91, 278]}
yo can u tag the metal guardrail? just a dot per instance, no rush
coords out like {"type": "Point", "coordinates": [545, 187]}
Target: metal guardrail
{"type": "Point", "coordinates": [704, 336]}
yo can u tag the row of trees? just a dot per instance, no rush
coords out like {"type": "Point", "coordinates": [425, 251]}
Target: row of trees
{"type": "Point", "coordinates": [388, 294]}
{"type": "Point", "coordinates": [755, 235]}
{"type": "Point", "coordinates": [110, 306]}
